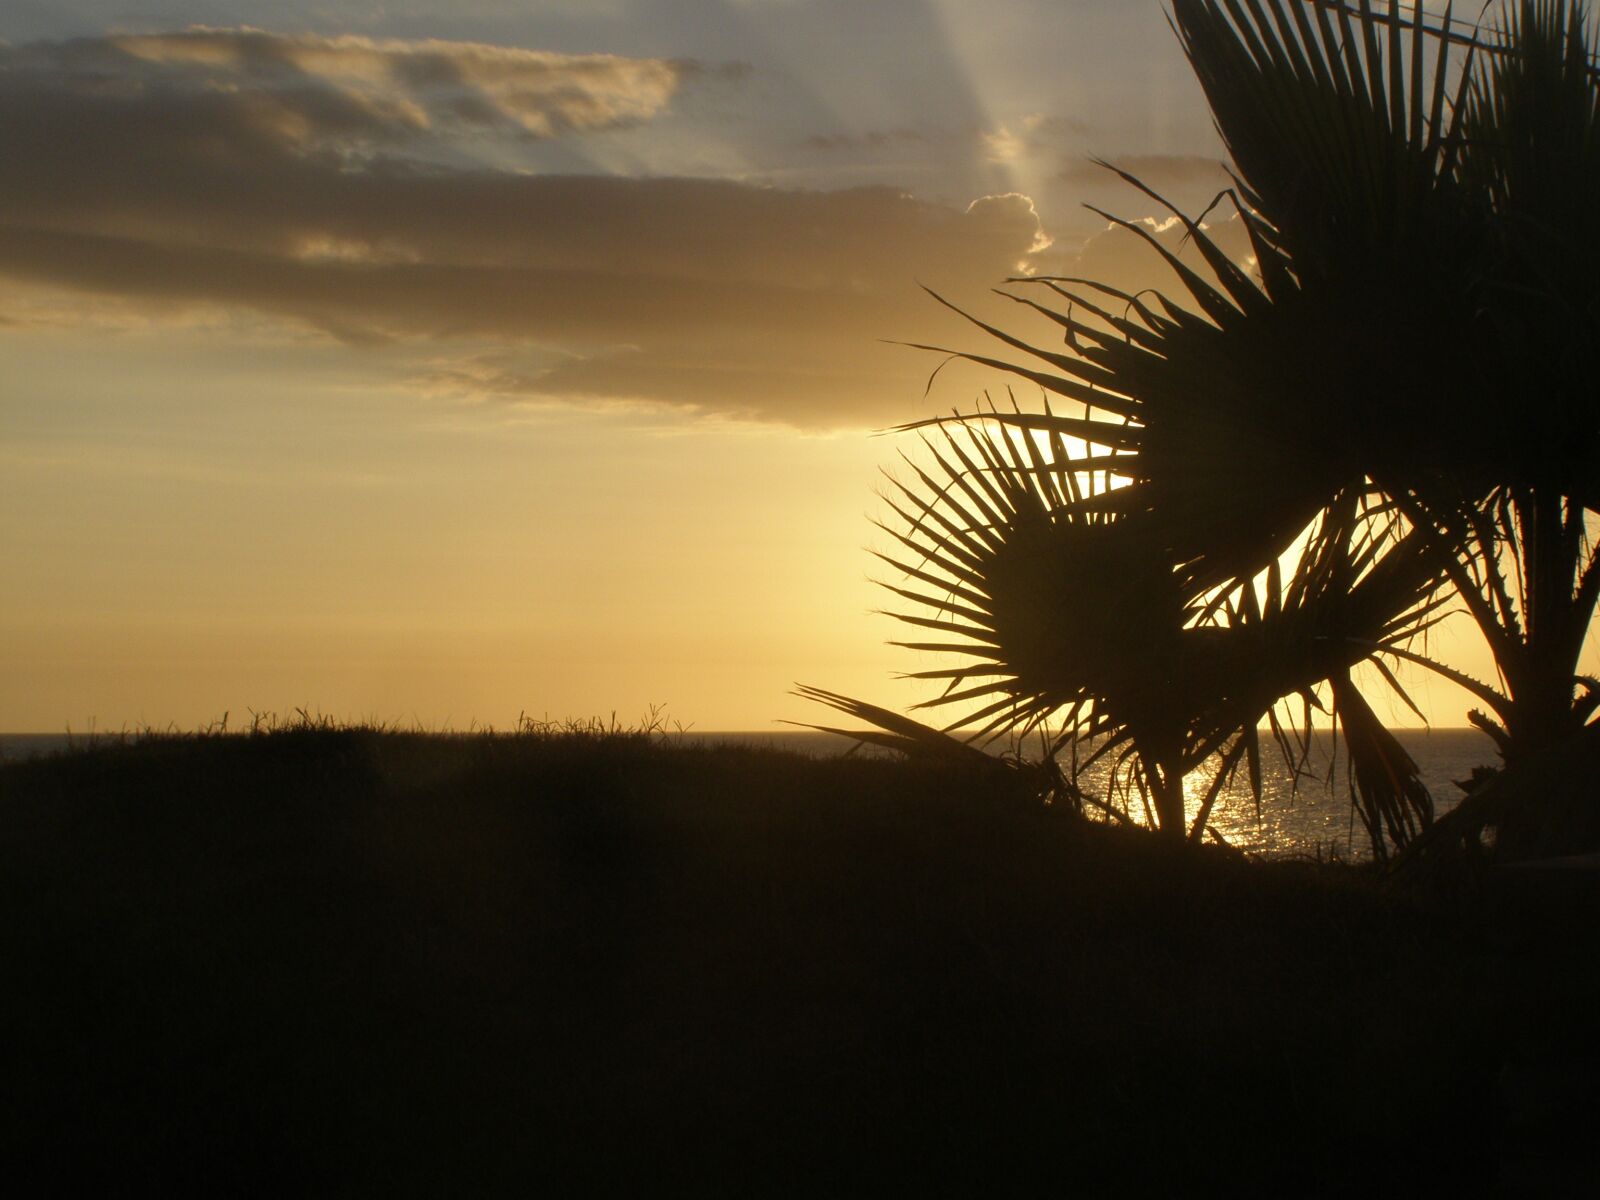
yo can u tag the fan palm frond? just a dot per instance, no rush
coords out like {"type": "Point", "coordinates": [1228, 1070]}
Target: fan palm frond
{"type": "Point", "coordinates": [1074, 613]}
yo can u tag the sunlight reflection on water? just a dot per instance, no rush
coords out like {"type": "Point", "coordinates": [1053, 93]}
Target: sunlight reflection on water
{"type": "Point", "coordinates": [1317, 816]}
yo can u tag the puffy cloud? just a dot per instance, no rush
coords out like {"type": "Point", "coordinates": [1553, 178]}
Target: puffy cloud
{"type": "Point", "coordinates": [1005, 216]}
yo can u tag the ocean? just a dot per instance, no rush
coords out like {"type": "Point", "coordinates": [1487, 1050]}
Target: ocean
{"type": "Point", "coordinates": [1313, 818]}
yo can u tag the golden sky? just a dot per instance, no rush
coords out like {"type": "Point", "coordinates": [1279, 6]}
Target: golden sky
{"type": "Point", "coordinates": [521, 359]}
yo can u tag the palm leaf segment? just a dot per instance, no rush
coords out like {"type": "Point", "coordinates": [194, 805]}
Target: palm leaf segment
{"type": "Point", "coordinates": [1344, 125]}
{"type": "Point", "coordinates": [1305, 377]}
{"type": "Point", "coordinates": [1531, 147]}
{"type": "Point", "coordinates": [1435, 196]}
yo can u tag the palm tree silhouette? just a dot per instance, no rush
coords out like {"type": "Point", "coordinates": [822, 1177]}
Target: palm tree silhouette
{"type": "Point", "coordinates": [1274, 474]}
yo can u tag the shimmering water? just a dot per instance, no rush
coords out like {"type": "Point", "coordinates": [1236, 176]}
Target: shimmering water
{"type": "Point", "coordinates": [1312, 818]}
{"type": "Point", "coordinates": [1317, 816]}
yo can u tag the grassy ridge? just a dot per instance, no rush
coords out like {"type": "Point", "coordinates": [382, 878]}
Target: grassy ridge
{"type": "Point", "coordinates": [340, 960]}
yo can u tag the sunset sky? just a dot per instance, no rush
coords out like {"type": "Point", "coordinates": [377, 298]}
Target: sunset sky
{"type": "Point", "coordinates": [441, 363]}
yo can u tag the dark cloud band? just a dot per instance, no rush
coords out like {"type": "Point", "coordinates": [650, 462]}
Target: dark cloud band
{"type": "Point", "coordinates": [313, 187]}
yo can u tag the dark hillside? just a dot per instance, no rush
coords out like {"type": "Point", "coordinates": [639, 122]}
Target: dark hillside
{"type": "Point", "coordinates": [340, 960]}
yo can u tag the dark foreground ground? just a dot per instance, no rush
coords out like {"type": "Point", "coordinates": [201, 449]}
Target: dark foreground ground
{"type": "Point", "coordinates": [350, 962]}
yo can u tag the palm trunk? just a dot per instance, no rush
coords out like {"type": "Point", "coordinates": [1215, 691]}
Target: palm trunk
{"type": "Point", "coordinates": [1541, 714]}
{"type": "Point", "coordinates": [1166, 786]}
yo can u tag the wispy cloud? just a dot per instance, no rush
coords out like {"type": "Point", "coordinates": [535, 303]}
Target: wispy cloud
{"type": "Point", "coordinates": [329, 88]}
{"type": "Point", "coordinates": [282, 175]}
{"type": "Point", "coordinates": [871, 139]}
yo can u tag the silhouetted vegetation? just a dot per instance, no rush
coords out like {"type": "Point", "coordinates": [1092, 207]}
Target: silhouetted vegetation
{"type": "Point", "coordinates": [1292, 464]}
{"type": "Point", "coordinates": [333, 960]}
{"type": "Point", "coordinates": [319, 959]}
